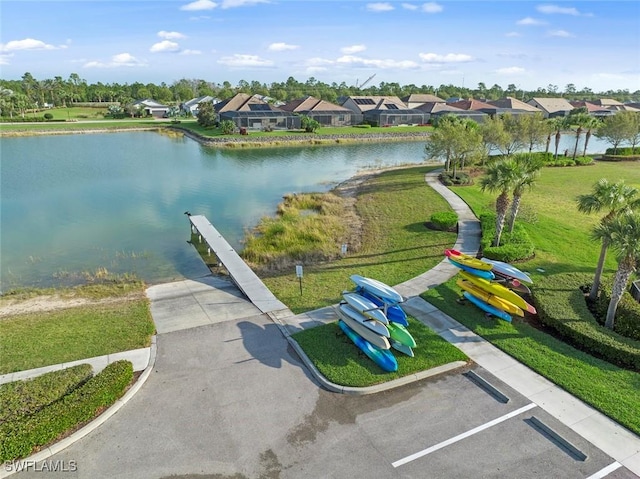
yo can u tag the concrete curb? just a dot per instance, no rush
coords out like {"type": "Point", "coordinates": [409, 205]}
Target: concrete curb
{"type": "Point", "coordinates": [91, 426]}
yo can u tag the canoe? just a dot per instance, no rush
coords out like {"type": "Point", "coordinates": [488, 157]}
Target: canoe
{"type": "Point", "coordinates": [375, 339]}
{"type": "Point", "coordinates": [393, 312]}
{"type": "Point", "coordinates": [477, 272]}
{"type": "Point", "coordinates": [365, 306]}
{"type": "Point", "coordinates": [383, 358]}
{"type": "Point", "coordinates": [512, 283]}
{"type": "Point", "coordinates": [498, 290]}
{"type": "Point", "coordinates": [375, 326]}
{"type": "Point", "coordinates": [505, 269]}
{"type": "Point", "coordinates": [403, 348]}
{"type": "Point", "coordinates": [400, 334]}
{"type": "Point", "coordinates": [381, 290]}
{"type": "Point", "coordinates": [467, 260]}
{"type": "Point", "coordinates": [487, 308]}
{"type": "Point", "coordinates": [489, 298]}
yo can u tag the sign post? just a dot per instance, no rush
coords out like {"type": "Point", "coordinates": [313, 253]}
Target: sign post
{"type": "Point", "coordinates": [299, 275]}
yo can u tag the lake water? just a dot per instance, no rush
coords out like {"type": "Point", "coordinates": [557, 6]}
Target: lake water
{"type": "Point", "coordinates": [72, 204]}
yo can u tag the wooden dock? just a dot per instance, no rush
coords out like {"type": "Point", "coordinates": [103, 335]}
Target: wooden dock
{"type": "Point", "coordinates": [243, 276]}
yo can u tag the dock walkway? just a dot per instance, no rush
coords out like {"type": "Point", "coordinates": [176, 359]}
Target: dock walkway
{"type": "Point", "coordinates": [243, 276]}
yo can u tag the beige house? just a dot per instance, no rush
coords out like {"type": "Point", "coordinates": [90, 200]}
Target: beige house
{"type": "Point", "coordinates": [551, 107]}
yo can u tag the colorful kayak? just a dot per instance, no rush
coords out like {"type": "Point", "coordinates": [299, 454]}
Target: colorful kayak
{"type": "Point", "coordinates": [505, 269]}
{"type": "Point", "coordinates": [393, 312]}
{"type": "Point", "coordinates": [383, 358]}
{"type": "Point", "coordinates": [375, 326]}
{"type": "Point", "coordinates": [403, 348]}
{"type": "Point", "coordinates": [512, 283]}
{"type": "Point", "coordinates": [487, 308]}
{"type": "Point", "coordinates": [498, 290]}
{"type": "Point", "coordinates": [365, 306]}
{"type": "Point", "coordinates": [477, 272]}
{"type": "Point", "coordinates": [467, 260]}
{"type": "Point", "coordinates": [375, 339]}
{"type": "Point", "coordinates": [400, 334]}
{"type": "Point", "coordinates": [381, 290]}
{"type": "Point", "coordinates": [489, 298]}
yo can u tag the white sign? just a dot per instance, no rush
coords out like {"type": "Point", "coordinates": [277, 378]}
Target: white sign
{"type": "Point", "coordinates": [299, 270]}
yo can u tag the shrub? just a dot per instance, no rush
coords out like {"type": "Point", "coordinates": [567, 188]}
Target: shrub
{"type": "Point", "coordinates": [227, 127]}
{"type": "Point", "coordinates": [447, 179]}
{"type": "Point", "coordinates": [21, 436]}
{"type": "Point", "coordinates": [627, 321]}
{"type": "Point", "coordinates": [514, 246]}
{"type": "Point", "coordinates": [584, 160]}
{"type": "Point", "coordinates": [48, 116]}
{"type": "Point", "coordinates": [444, 220]}
{"type": "Point", "coordinates": [562, 305]}
{"type": "Point", "coordinates": [363, 125]}
{"type": "Point", "coordinates": [623, 151]}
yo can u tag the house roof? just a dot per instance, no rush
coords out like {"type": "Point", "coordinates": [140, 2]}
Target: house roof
{"type": "Point", "coordinates": [552, 105]}
{"type": "Point", "coordinates": [422, 98]}
{"type": "Point", "coordinates": [607, 102]}
{"type": "Point", "coordinates": [513, 104]}
{"type": "Point", "coordinates": [148, 102]}
{"type": "Point", "coordinates": [366, 103]}
{"type": "Point", "coordinates": [472, 105]}
{"type": "Point", "coordinates": [437, 107]}
{"type": "Point", "coordinates": [315, 105]}
{"type": "Point", "coordinates": [591, 108]}
{"type": "Point", "coordinates": [197, 101]}
{"type": "Point", "coordinates": [244, 102]}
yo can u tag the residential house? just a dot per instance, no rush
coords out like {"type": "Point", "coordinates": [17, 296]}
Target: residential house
{"type": "Point", "coordinates": [385, 111]}
{"type": "Point", "coordinates": [190, 107]}
{"type": "Point", "coordinates": [513, 106]}
{"type": "Point", "coordinates": [437, 110]}
{"type": "Point", "coordinates": [324, 112]}
{"type": "Point", "coordinates": [416, 99]}
{"type": "Point", "coordinates": [593, 109]}
{"type": "Point", "coordinates": [477, 106]}
{"type": "Point", "coordinates": [249, 111]}
{"type": "Point", "coordinates": [152, 108]}
{"type": "Point", "coordinates": [552, 107]}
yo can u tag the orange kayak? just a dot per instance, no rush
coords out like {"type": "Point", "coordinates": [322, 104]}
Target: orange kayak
{"type": "Point", "coordinates": [489, 298]}
{"type": "Point", "coordinates": [498, 290]}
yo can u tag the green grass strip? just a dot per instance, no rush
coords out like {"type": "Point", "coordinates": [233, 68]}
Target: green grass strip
{"type": "Point", "coordinates": [613, 391]}
{"type": "Point", "coordinates": [341, 362]}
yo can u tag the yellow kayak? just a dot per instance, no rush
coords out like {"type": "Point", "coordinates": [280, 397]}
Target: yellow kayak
{"type": "Point", "coordinates": [498, 290]}
{"type": "Point", "coordinates": [467, 260]}
{"type": "Point", "coordinates": [490, 298]}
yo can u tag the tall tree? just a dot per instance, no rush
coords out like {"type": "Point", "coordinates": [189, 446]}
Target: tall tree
{"type": "Point", "coordinates": [617, 129]}
{"type": "Point", "coordinates": [623, 233]}
{"type": "Point", "coordinates": [580, 120]}
{"type": "Point", "coordinates": [525, 176]}
{"type": "Point", "coordinates": [590, 125]}
{"type": "Point", "coordinates": [456, 141]}
{"type": "Point", "coordinates": [615, 198]}
{"type": "Point", "coordinates": [500, 178]}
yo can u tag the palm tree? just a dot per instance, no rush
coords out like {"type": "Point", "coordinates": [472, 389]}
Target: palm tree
{"type": "Point", "coordinates": [558, 124]}
{"type": "Point", "coordinates": [617, 198]}
{"type": "Point", "coordinates": [623, 233]}
{"type": "Point", "coordinates": [500, 178]}
{"type": "Point", "coordinates": [526, 175]}
{"type": "Point", "coordinates": [580, 119]}
{"type": "Point", "coordinates": [590, 125]}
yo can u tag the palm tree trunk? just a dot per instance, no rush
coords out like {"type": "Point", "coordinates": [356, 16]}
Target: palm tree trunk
{"type": "Point", "coordinates": [595, 287]}
{"type": "Point", "coordinates": [575, 148]}
{"type": "Point", "coordinates": [515, 206]}
{"type": "Point", "coordinates": [586, 141]}
{"type": "Point", "coordinates": [558, 136]}
{"type": "Point", "coordinates": [619, 286]}
{"type": "Point", "coordinates": [502, 204]}
{"type": "Point", "coordinates": [546, 150]}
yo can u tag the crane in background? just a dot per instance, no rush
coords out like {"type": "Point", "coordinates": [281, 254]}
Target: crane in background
{"type": "Point", "coordinates": [365, 82]}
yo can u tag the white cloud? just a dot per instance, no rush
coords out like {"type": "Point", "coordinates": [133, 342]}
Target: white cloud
{"type": "Point", "coordinates": [409, 6]}
{"type": "Point", "coordinates": [239, 60]}
{"type": "Point", "coordinates": [190, 52]}
{"type": "Point", "coordinates": [530, 21]}
{"type": "Point", "coordinates": [379, 7]}
{"type": "Point", "coordinates": [550, 9]}
{"type": "Point", "coordinates": [314, 70]}
{"type": "Point", "coordinates": [119, 60]}
{"type": "Point", "coordinates": [318, 62]}
{"type": "Point", "coordinates": [171, 35]}
{"type": "Point", "coordinates": [382, 64]}
{"type": "Point", "coordinates": [164, 46]}
{"type": "Point", "coordinates": [350, 50]}
{"type": "Point", "coordinates": [241, 3]}
{"type": "Point", "coordinates": [282, 47]}
{"type": "Point", "coordinates": [448, 58]}
{"type": "Point", "coordinates": [431, 7]}
{"type": "Point", "coordinates": [199, 5]}
{"type": "Point", "coordinates": [512, 34]}
{"type": "Point", "coordinates": [559, 33]}
{"type": "Point", "coordinates": [27, 44]}
{"type": "Point", "coordinates": [510, 71]}
{"type": "Point", "coordinates": [4, 59]}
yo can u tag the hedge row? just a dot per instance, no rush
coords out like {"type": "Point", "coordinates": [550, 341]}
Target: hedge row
{"type": "Point", "coordinates": [627, 321]}
{"type": "Point", "coordinates": [561, 305]}
{"type": "Point", "coordinates": [513, 246]}
{"type": "Point", "coordinates": [622, 151]}
{"type": "Point", "coordinates": [22, 398]}
{"type": "Point", "coordinates": [21, 436]}
{"type": "Point", "coordinates": [620, 158]}
{"type": "Point", "coordinates": [444, 220]}
{"type": "Point", "coordinates": [447, 178]}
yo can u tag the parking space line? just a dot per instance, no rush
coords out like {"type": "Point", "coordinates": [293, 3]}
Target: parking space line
{"type": "Point", "coordinates": [605, 471]}
{"type": "Point", "coordinates": [462, 436]}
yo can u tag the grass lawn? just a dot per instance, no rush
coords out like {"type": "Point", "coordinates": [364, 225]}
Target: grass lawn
{"type": "Point", "coordinates": [396, 245]}
{"type": "Point", "coordinates": [608, 388]}
{"type": "Point", "coordinates": [50, 337]}
{"type": "Point", "coordinates": [80, 125]}
{"type": "Point", "coordinates": [341, 362]}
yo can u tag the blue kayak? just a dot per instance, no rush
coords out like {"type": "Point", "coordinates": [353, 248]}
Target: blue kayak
{"type": "Point", "coordinates": [476, 272]}
{"type": "Point", "coordinates": [487, 308]}
{"type": "Point", "coordinates": [393, 312]}
{"type": "Point", "coordinates": [383, 358]}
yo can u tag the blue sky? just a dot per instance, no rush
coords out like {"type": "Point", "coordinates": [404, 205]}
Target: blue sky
{"type": "Point", "coordinates": [529, 44]}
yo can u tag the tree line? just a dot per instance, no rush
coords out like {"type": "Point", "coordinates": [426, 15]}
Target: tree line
{"type": "Point", "coordinates": [30, 92]}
